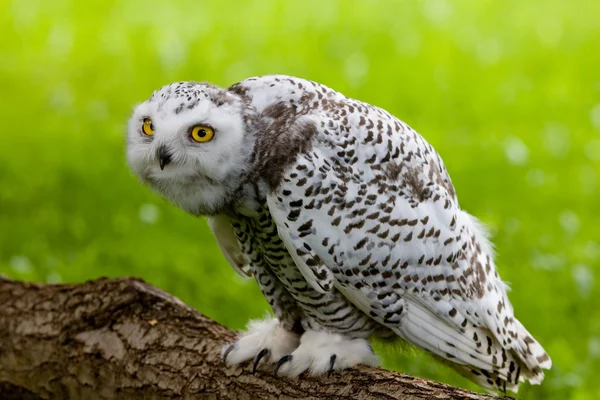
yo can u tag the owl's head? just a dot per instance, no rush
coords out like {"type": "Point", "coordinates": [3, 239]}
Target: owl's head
{"type": "Point", "coordinates": [190, 142]}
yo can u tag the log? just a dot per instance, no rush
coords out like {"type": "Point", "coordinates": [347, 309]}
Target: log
{"type": "Point", "coordinates": [125, 339]}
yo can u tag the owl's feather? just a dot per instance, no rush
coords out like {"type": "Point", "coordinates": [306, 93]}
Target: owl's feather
{"type": "Point", "coordinates": [229, 245]}
{"type": "Point", "coordinates": [347, 219]}
{"type": "Point", "coordinates": [370, 211]}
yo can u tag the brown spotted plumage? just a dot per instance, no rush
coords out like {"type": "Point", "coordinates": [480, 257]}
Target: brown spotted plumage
{"type": "Point", "coordinates": [348, 221]}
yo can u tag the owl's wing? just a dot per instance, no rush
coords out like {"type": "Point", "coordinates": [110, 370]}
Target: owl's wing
{"type": "Point", "coordinates": [229, 244]}
{"type": "Point", "coordinates": [374, 215]}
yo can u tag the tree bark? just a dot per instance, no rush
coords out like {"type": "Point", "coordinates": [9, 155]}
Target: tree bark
{"type": "Point", "coordinates": [124, 339]}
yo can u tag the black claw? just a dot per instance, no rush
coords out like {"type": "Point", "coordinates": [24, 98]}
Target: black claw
{"type": "Point", "coordinates": [331, 364]}
{"type": "Point", "coordinates": [259, 356]}
{"type": "Point", "coordinates": [231, 347]}
{"type": "Point", "coordinates": [281, 361]}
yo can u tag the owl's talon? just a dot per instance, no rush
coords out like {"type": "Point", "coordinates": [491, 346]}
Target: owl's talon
{"type": "Point", "coordinates": [227, 351]}
{"type": "Point", "coordinates": [322, 352]}
{"type": "Point", "coordinates": [331, 364]}
{"type": "Point", "coordinates": [259, 356]}
{"type": "Point", "coordinates": [281, 361]}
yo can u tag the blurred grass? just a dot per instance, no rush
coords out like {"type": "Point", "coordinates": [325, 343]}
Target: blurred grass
{"type": "Point", "coordinates": [508, 92]}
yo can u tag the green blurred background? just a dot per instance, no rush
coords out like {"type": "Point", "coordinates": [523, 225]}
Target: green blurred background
{"type": "Point", "coordinates": [508, 92]}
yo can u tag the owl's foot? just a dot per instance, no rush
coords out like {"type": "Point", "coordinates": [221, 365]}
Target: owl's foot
{"type": "Point", "coordinates": [264, 341]}
{"type": "Point", "coordinates": [321, 352]}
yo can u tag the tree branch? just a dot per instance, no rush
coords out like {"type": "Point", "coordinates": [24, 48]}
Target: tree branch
{"type": "Point", "coordinates": [125, 339]}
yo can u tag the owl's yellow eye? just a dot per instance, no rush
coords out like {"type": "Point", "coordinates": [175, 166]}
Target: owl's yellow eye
{"type": "Point", "coordinates": [147, 127]}
{"type": "Point", "coordinates": [202, 134]}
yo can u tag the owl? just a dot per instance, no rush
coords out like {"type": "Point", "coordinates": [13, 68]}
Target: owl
{"type": "Point", "coordinates": [347, 220]}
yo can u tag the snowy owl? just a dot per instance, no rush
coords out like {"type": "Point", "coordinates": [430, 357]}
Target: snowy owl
{"type": "Point", "coordinates": [347, 219]}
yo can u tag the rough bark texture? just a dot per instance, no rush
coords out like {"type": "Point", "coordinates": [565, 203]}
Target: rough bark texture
{"type": "Point", "coordinates": [124, 339]}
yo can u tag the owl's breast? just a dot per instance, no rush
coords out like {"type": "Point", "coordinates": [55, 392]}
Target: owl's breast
{"type": "Point", "coordinates": [266, 251]}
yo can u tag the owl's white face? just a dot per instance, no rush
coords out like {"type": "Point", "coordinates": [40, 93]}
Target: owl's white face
{"type": "Point", "coordinates": [190, 143]}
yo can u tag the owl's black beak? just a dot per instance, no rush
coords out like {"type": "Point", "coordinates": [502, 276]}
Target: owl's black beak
{"type": "Point", "coordinates": [164, 157]}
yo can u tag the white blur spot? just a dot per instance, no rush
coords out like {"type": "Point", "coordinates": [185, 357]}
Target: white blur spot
{"type": "Point", "coordinates": [512, 226]}
{"type": "Point", "coordinates": [569, 221]}
{"type": "Point", "coordinates": [556, 140]}
{"type": "Point", "coordinates": [595, 116]}
{"type": "Point", "coordinates": [437, 11]}
{"type": "Point", "coordinates": [592, 149]}
{"type": "Point", "coordinates": [97, 110]}
{"type": "Point", "coordinates": [53, 277]}
{"type": "Point", "coordinates": [584, 279]}
{"type": "Point", "coordinates": [546, 261]}
{"type": "Point", "coordinates": [588, 178]}
{"type": "Point", "coordinates": [570, 379]}
{"type": "Point", "coordinates": [20, 264]}
{"type": "Point", "coordinates": [60, 40]}
{"type": "Point", "coordinates": [591, 250]}
{"type": "Point", "coordinates": [327, 16]}
{"type": "Point", "coordinates": [356, 68]}
{"type": "Point", "coordinates": [408, 43]}
{"type": "Point", "coordinates": [62, 97]}
{"type": "Point", "coordinates": [25, 14]}
{"type": "Point", "coordinates": [516, 151]}
{"type": "Point", "coordinates": [489, 51]}
{"type": "Point", "coordinates": [549, 30]}
{"type": "Point", "coordinates": [594, 347]}
{"type": "Point", "coordinates": [513, 87]}
{"type": "Point", "coordinates": [149, 213]}
{"type": "Point", "coordinates": [172, 51]}
{"type": "Point", "coordinates": [535, 177]}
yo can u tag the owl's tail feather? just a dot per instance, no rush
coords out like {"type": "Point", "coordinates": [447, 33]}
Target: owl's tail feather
{"type": "Point", "coordinates": [483, 378]}
{"type": "Point", "coordinates": [475, 352]}
{"type": "Point", "coordinates": [530, 358]}
{"type": "Point", "coordinates": [532, 355]}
